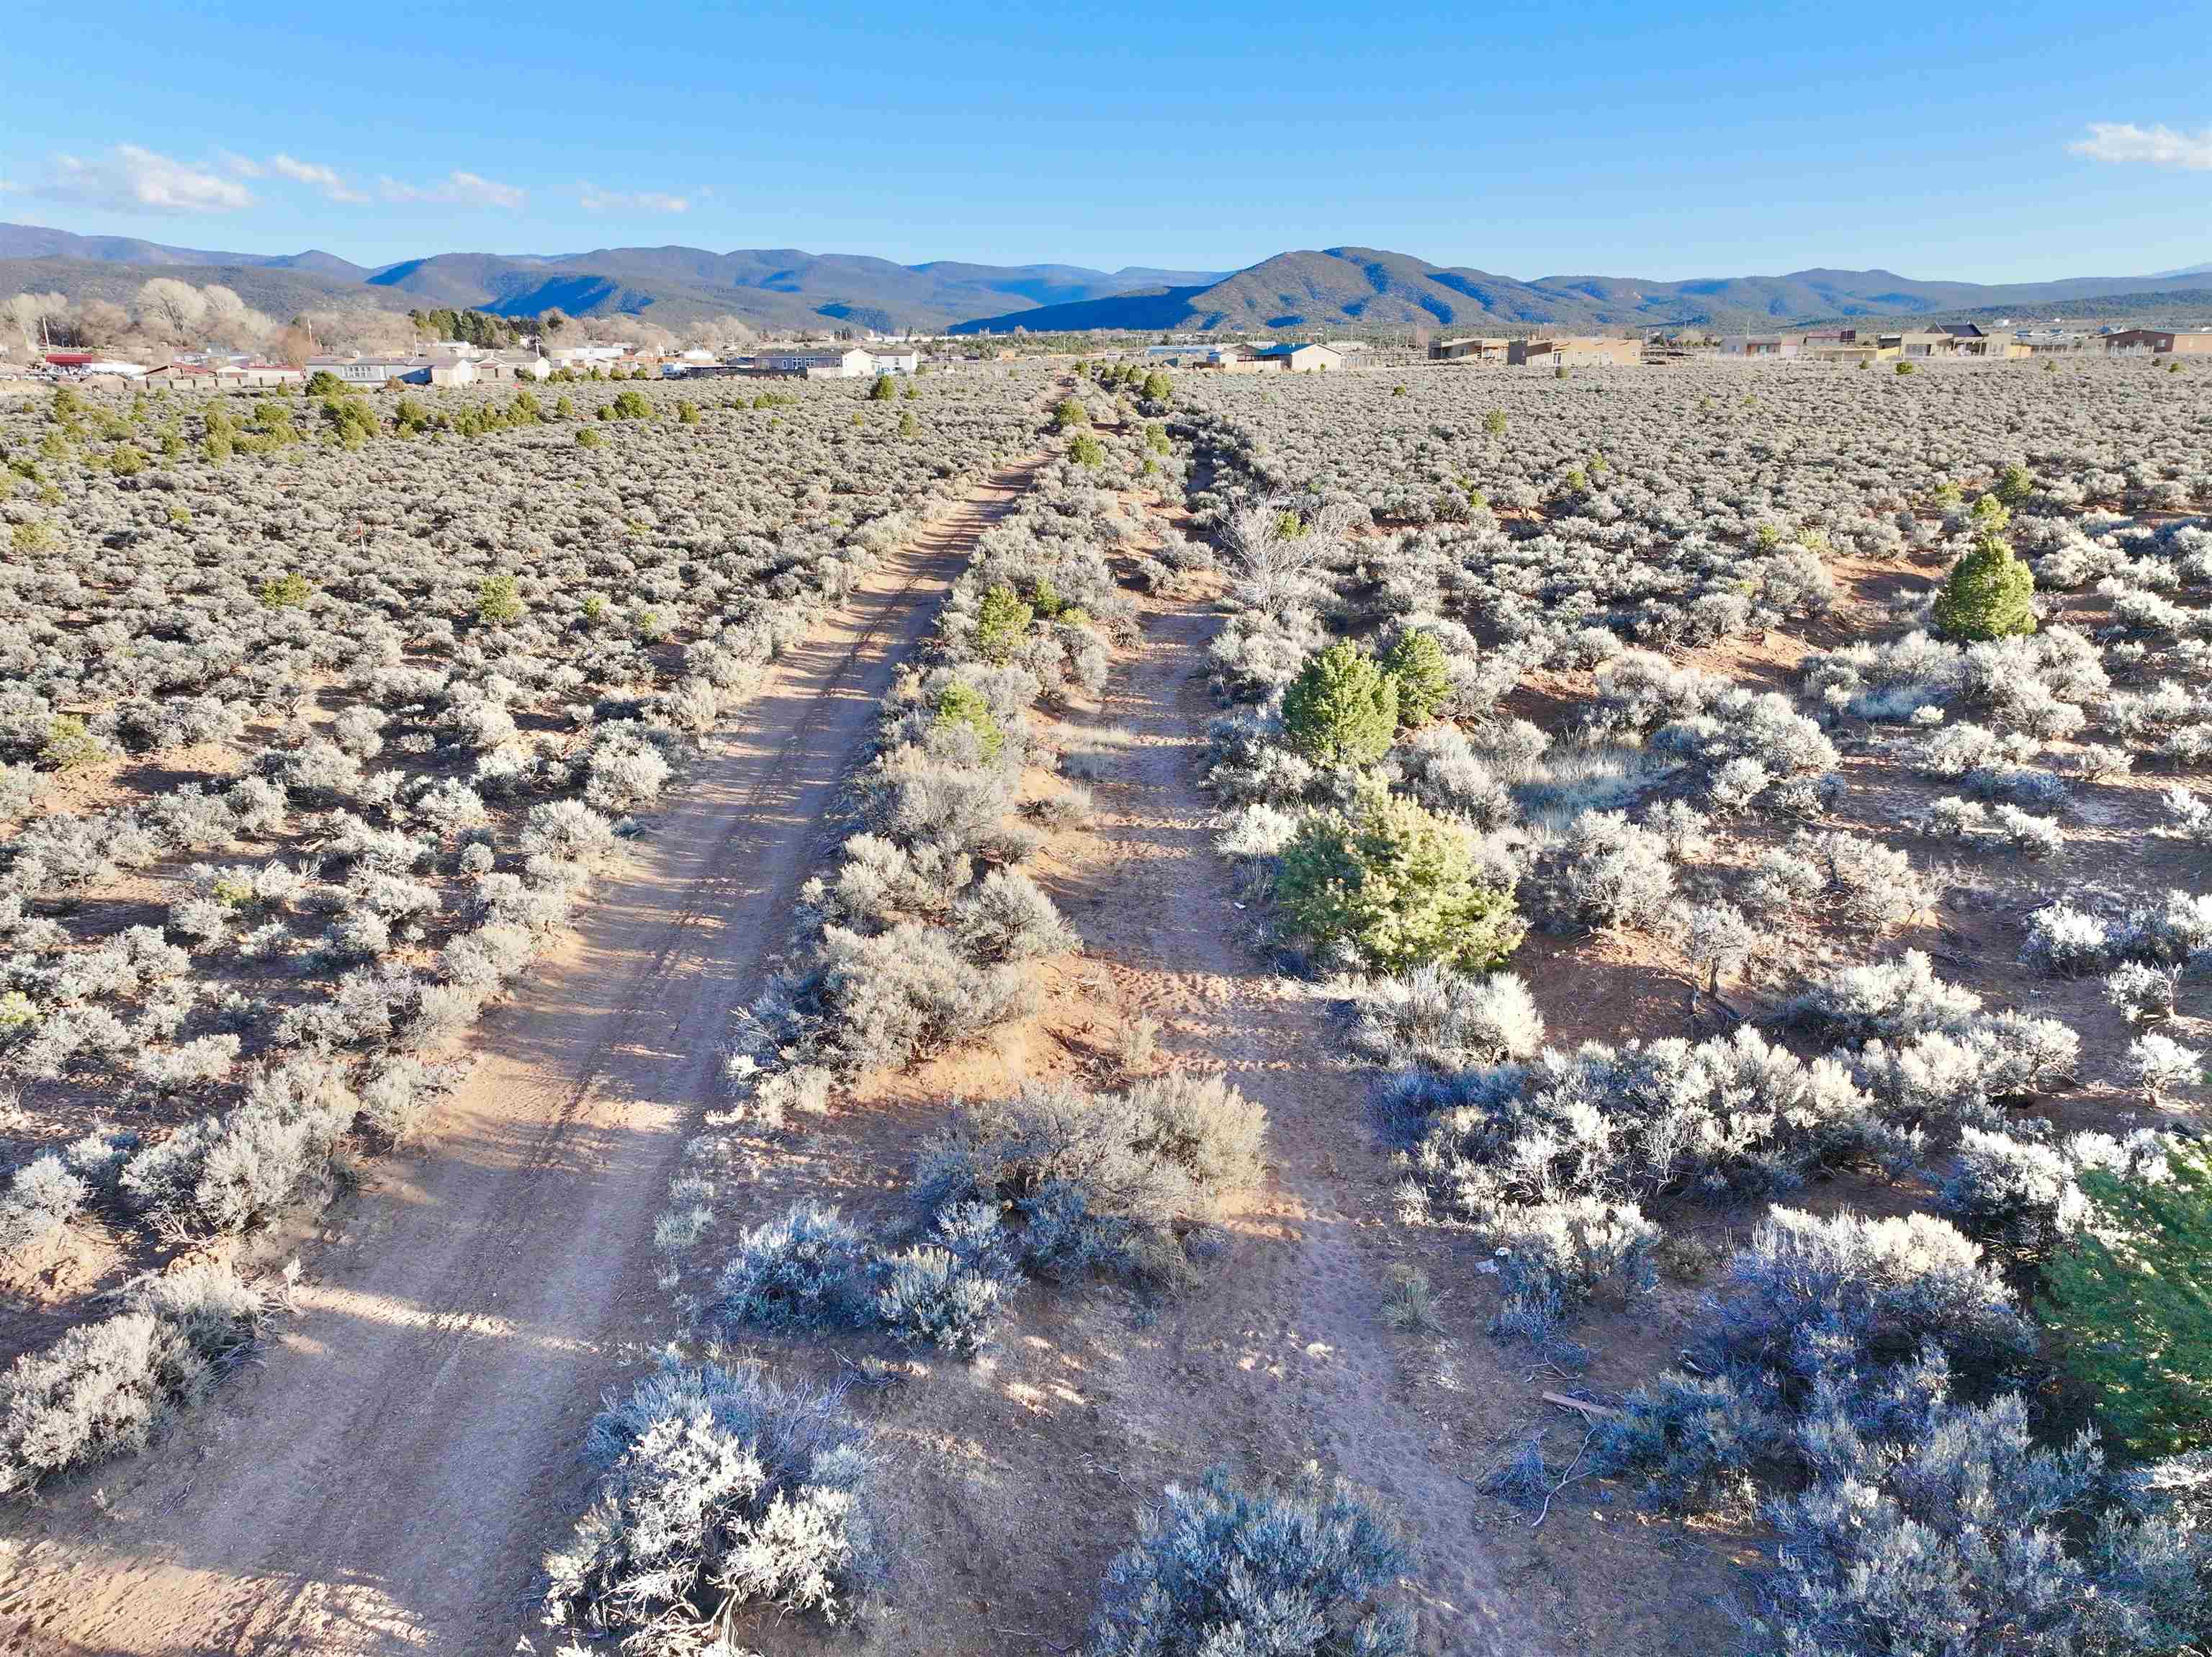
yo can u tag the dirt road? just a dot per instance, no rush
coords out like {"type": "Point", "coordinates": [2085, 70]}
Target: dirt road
{"type": "Point", "coordinates": [389, 1479]}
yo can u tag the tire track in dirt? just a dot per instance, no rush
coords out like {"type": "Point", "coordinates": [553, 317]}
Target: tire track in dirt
{"type": "Point", "coordinates": [1281, 1353]}
{"type": "Point", "coordinates": [389, 1482]}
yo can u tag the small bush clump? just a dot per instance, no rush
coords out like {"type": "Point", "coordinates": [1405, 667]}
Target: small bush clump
{"type": "Point", "coordinates": [1306, 1571]}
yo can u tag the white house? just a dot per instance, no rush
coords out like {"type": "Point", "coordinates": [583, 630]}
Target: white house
{"type": "Point", "coordinates": [461, 371]}
{"type": "Point", "coordinates": [369, 370]}
{"type": "Point", "coordinates": [893, 359]}
{"type": "Point", "coordinates": [846, 364]}
{"type": "Point", "coordinates": [1299, 359]}
{"type": "Point", "coordinates": [588, 357]}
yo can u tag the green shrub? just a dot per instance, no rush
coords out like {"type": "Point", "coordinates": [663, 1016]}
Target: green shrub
{"type": "Point", "coordinates": [352, 421]}
{"type": "Point", "coordinates": [587, 438]}
{"type": "Point", "coordinates": [961, 704]}
{"type": "Point", "coordinates": [287, 591]}
{"type": "Point", "coordinates": [498, 601]}
{"type": "Point", "coordinates": [1087, 451]}
{"type": "Point", "coordinates": [1495, 423]}
{"type": "Point", "coordinates": [1396, 885]}
{"type": "Point", "coordinates": [30, 537]}
{"type": "Point", "coordinates": [1069, 413]}
{"type": "Point", "coordinates": [1988, 594]}
{"type": "Point", "coordinates": [2016, 483]}
{"type": "Point", "coordinates": [1416, 667]}
{"type": "Point", "coordinates": [1001, 622]}
{"type": "Point", "coordinates": [883, 390]}
{"type": "Point", "coordinates": [1342, 708]}
{"type": "Point", "coordinates": [1907, 368]}
{"type": "Point", "coordinates": [2131, 1301]}
{"type": "Point", "coordinates": [687, 411]}
{"type": "Point", "coordinates": [69, 744]}
{"type": "Point", "coordinates": [323, 383]}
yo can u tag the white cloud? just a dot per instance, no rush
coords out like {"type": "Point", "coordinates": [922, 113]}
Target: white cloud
{"type": "Point", "coordinates": [455, 189]}
{"type": "Point", "coordinates": [244, 166]}
{"type": "Point", "coordinates": [2160, 146]}
{"type": "Point", "coordinates": [323, 178]}
{"type": "Point", "coordinates": [128, 178]}
{"type": "Point", "coordinates": [596, 200]}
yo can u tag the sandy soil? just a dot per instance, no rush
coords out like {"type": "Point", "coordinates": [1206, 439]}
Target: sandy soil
{"type": "Point", "coordinates": [1009, 1485]}
{"type": "Point", "coordinates": [387, 1480]}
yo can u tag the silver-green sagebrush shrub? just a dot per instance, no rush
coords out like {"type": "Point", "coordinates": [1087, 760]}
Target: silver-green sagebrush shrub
{"type": "Point", "coordinates": [803, 1271]}
{"type": "Point", "coordinates": [1221, 1570]}
{"type": "Point", "coordinates": [231, 1172]}
{"type": "Point", "coordinates": [718, 1491]}
{"type": "Point", "coordinates": [947, 1291]}
{"type": "Point", "coordinates": [105, 1388]}
{"type": "Point", "coordinates": [1098, 1181]}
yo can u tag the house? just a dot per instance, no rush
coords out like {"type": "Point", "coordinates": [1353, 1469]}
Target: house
{"type": "Point", "coordinates": [2159, 342]}
{"type": "Point", "coordinates": [370, 370]}
{"type": "Point", "coordinates": [515, 365]}
{"type": "Point", "coordinates": [1584, 350]}
{"type": "Point", "coordinates": [588, 357]}
{"type": "Point", "coordinates": [1469, 350]}
{"type": "Point", "coordinates": [893, 359]}
{"type": "Point", "coordinates": [846, 364]}
{"type": "Point", "coordinates": [459, 371]}
{"type": "Point", "coordinates": [1297, 359]}
{"type": "Point", "coordinates": [1921, 342]}
{"type": "Point", "coordinates": [1761, 345]}
{"type": "Point", "coordinates": [75, 364]}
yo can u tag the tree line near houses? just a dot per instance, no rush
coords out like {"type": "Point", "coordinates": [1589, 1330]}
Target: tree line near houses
{"type": "Point", "coordinates": [1873, 712]}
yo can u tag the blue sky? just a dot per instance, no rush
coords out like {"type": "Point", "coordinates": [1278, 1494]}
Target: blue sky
{"type": "Point", "coordinates": [2035, 142]}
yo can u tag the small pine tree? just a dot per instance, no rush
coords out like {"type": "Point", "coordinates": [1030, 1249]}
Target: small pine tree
{"type": "Point", "coordinates": [1342, 708]}
{"type": "Point", "coordinates": [1396, 884]}
{"type": "Point", "coordinates": [960, 703]}
{"type": "Point", "coordinates": [1001, 622]}
{"type": "Point", "coordinates": [1416, 665]}
{"type": "Point", "coordinates": [287, 591]}
{"type": "Point", "coordinates": [883, 390]}
{"type": "Point", "coordinates": [2016, 483]}
{"type": "Point", "coordinates": [1990, 595]}
{"type": "Point", "coordinates": [498, 601]}
{"type": "Point", "coordinates": [2131, 1301]}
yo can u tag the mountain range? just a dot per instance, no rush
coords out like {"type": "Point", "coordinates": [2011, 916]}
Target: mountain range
{"type": "Point", "coordinates": [1334, 288]}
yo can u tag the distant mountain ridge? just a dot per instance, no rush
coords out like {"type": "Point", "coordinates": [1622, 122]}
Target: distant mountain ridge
{"type": "Point", "coordinates": [1334, 288]}
{"type": "Point", "coordinates": [1351, 287]}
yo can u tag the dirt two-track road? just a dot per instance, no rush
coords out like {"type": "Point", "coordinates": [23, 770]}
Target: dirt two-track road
{"type": "Point", "coordinates": [389, 1478]}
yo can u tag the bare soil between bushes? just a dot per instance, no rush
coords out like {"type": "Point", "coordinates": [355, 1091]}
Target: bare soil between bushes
{"type": "Point", "coordinates": [388, 1476]}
